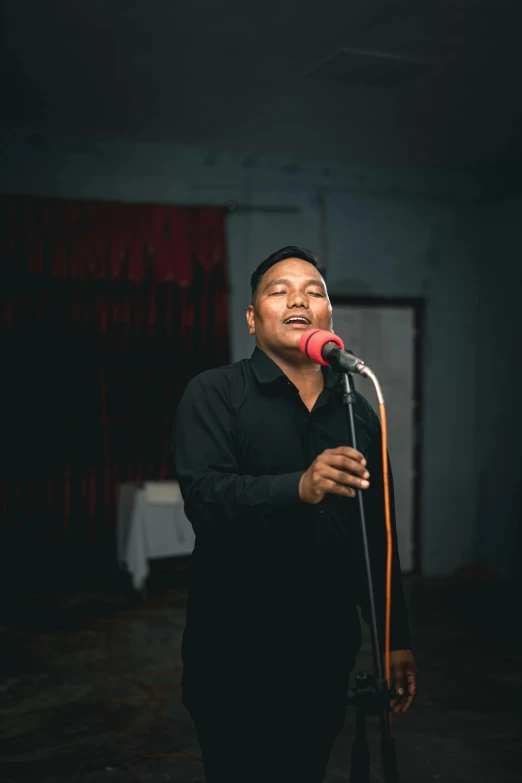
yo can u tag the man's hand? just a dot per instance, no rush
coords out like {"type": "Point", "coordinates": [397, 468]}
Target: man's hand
{"type": "Point", "coordinates": [336, 471]}
{"type": "Point", "coordinates": [405, 676]}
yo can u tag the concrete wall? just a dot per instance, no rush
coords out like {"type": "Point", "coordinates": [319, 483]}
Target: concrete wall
{"type": "Point", "coordinates": [382, 231]}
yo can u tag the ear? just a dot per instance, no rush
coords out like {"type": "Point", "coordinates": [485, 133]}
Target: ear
{"type": "Point", "coordinates": [250, 319]}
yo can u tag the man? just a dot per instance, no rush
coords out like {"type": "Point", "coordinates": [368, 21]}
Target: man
{"type": "Point", "coordinates": [277, 571]}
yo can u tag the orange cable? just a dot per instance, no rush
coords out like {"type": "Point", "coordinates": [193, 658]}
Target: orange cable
{"type": "Point", "coordinates": [389, 542]}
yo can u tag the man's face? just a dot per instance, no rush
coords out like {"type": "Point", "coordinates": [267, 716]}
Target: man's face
{"type": "Point", "coordinates": [291, 298]}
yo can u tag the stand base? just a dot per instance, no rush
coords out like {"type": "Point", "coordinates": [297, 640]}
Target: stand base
{"type": "Point", "coordinates": [360, 767]}
{"type": "Point", "coordinates": [371, 697]}
{"type": "Point", "coordinates": [389, 760]}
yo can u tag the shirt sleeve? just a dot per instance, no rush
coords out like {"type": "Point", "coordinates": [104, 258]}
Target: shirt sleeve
{"type": "Point", "coordinates": [376, 531]}
{"type": "Point", "coordinates": [206, 456]}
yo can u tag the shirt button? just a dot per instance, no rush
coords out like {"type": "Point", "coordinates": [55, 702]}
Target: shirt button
{"type": "Point", "coordinates": [321, 510]}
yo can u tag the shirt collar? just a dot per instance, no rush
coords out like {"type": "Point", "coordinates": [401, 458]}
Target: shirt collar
{"type": "Point", "coordinates": [267, 371]}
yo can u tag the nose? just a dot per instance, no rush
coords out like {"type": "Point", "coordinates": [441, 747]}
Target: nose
{"type": "Point", "coordinates": [297, 299]}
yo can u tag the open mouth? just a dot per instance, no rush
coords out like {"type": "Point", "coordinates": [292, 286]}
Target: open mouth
{"type": "Point", "coordinates": [297, 320]}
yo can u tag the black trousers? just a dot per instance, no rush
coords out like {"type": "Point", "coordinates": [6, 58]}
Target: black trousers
{"type": "Point", "coordinates": [267, 695]}
{"type": "Point", "coordinates": [287, 744]}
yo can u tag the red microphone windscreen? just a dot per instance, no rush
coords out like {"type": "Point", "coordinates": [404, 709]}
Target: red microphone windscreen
{"type": "Point", "coordinates": [312, 342]}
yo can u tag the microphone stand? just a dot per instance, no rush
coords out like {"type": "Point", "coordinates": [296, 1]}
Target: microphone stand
{"type": "Point", "coordinates": [370, 695]}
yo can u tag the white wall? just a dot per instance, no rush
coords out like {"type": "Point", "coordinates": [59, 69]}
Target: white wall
{"type": "Point", "coordinates": [382, 231]}
{"type": "Point", "coordinates": [498, 319]}
{"type": "Point", "coordinates": [403, 246]}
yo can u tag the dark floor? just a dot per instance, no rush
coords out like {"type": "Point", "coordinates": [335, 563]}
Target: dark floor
{"type": "Point", "coordinates": [89, 690]}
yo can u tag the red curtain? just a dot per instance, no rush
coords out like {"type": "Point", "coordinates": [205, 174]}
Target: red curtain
{"type": "Point", "coordinates": [109, 310]}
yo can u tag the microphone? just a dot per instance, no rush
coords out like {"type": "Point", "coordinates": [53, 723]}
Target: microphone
{"type": "Point", "coordinates": [324, 347]}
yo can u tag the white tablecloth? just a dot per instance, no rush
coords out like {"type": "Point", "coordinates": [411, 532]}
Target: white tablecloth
{"type": "Point", "coordinates": [151, 524]}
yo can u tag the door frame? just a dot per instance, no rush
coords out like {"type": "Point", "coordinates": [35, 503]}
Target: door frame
{"type": "Point", "coordinates": [418, 305]}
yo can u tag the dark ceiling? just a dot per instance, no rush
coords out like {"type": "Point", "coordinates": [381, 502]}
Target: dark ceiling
{"type": "Point", "coordinates": [237, 75]}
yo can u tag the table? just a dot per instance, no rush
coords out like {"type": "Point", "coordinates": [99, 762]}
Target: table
{"type": "Point", "coordinates": [151, 523]}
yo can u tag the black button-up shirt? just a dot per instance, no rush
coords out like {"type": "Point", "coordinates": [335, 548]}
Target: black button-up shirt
{"type": "Point", "coordinates": [264, 559]}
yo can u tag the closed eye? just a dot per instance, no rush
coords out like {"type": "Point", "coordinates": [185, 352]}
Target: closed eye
{"type": "Point", "coordinates": [309, 293]}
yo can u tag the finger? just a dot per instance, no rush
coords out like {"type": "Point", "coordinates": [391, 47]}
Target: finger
{"type": "Point", "coordinates": [411, 690]}
{"type": "Point", "coordinates": [333, 488]}
{"type": "Point", "coordinates": [347, 451]}
{"type": "Point", "coordinates": [341, 462]}
{"type": "Point", "coordinates": [343, 478]}
{"type": "Point", "coordinates": [400, 687]}
{"type": "Point", "coordinates": [396, 704]}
